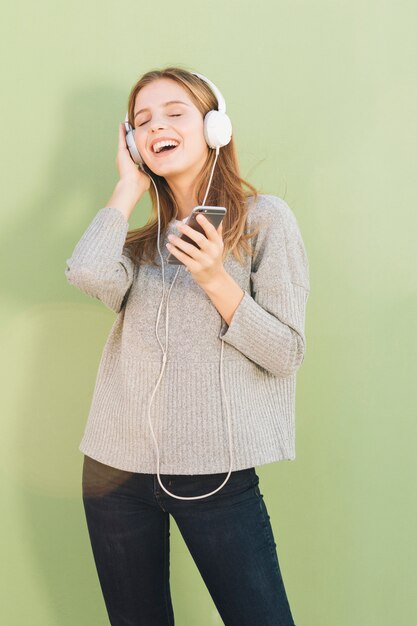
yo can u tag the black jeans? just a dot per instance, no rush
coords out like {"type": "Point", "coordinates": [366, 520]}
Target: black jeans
{"type": "Point", "coordinates": [228, 534]}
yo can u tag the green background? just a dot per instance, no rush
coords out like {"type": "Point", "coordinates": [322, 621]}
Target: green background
{"type": "Point", "coordinates": [322, 96]}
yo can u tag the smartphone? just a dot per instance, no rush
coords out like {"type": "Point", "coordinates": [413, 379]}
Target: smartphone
{"type": "Point", "coordinates": [214, 214]}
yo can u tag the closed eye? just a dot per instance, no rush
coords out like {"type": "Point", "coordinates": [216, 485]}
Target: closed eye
{"type": "Point", "coordinates": [174, 115]}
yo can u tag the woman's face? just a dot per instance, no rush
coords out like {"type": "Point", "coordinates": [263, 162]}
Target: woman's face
{"type": "Point", "coordinates": [182, 122]}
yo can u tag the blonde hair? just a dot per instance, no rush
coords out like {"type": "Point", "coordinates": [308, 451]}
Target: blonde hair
{"type": "Point", "coordinates": [226, 187]}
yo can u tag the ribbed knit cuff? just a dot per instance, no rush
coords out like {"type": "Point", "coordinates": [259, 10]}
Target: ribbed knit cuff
{"type": "Point", "coordinates": [103, 239]}
{"type": "Point", "coordinates": [262, 328]}
{"type": "Point", "coordinates": [97, 265]}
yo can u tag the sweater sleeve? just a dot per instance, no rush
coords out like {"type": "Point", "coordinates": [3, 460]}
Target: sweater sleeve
{"type": "Point", "coordinates": [268, 324]}
{"type": "Point", "coordinates": [99, 265]}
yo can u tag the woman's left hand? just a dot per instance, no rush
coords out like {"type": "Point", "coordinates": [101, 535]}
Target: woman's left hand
{"type": "Point", "coordinates": [205, 264]}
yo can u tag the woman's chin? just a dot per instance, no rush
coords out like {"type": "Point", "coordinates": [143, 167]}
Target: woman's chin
{"type": "Point", "coordinates": [167, 169]}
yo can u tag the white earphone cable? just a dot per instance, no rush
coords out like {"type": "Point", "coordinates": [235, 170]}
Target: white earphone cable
{"type": "Point", "coordinates": [164, 359]}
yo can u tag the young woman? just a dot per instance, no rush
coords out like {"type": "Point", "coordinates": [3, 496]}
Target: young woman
{"type": "Point", "coordinates": [241, 288]}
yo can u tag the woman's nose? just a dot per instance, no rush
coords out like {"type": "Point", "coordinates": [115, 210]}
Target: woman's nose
{"type": "Point", "coordinates": [157, 126]}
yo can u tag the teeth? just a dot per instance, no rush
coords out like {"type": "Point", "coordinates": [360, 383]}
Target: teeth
{"type": "Point", "coordinates": [160, 144]}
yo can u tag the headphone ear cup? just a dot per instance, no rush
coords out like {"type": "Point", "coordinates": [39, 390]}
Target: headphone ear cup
{"type": "Point", "coordinates": [130, 142]}
{"type": "Point", "coordinates": [217, 129]}
{"type": "Point", "coordinates": [134, 152]}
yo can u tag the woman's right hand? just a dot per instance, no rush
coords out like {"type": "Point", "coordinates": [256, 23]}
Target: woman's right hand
{"type": "Point", "coordinates": [129, 171]}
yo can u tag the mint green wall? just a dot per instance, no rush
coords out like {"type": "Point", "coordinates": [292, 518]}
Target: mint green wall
{"type": "Point", "coordinates": [322, 96]}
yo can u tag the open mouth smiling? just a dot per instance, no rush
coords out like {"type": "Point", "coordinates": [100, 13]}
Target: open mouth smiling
{"type": "Point", "coordinates": [163, 147]}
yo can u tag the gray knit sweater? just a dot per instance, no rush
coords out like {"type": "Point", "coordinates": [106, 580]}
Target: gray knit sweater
{"type": "Point", "coordinates": [264, 346]}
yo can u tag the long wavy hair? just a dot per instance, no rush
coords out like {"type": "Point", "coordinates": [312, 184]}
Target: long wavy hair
{"type": "Point", "coordinates": [226, 187]}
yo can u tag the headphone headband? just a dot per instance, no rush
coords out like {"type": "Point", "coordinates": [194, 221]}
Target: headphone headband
{"type": "Point", "coordinates": [221, 104]}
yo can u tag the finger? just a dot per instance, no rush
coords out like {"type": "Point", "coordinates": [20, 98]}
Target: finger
{"type": "Point", "coordinates": [209, 229]}
{"type": "Point", "coordinates": [122, 135]}
{"type": "Point", "coordinates": [193, 234]}
{"type": "Point", "coordinates": [189, 248]}
{"type": "Point", "coordinates": [180, 255]}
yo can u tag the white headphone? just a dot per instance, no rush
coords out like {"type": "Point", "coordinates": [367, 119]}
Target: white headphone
{"type": "Point", "coordinates": [217, 133]}
{"type": "Point", "coordinates": [217, 126]}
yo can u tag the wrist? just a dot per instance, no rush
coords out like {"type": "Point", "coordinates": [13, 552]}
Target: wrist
{"type": "Point", "coordinates": [220, 279]}
{"type": "Point", "coordinates": [129, 188]}
{"type": "Point", "coordinates": [226, 295]}
{"type": "Point", "coordinates": [125, 196]}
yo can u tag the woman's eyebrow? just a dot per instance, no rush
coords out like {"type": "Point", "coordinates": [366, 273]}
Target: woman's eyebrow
{"type": "Point", "coordinates": [164, 105]}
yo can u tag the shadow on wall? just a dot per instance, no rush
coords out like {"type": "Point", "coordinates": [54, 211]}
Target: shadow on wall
{"type": "Point", "coordinates": [51, 341]}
